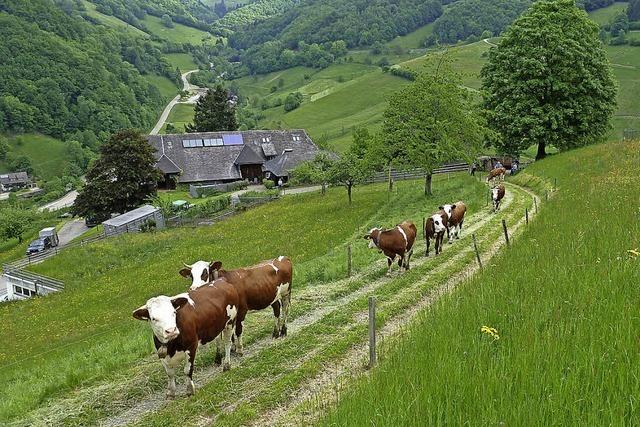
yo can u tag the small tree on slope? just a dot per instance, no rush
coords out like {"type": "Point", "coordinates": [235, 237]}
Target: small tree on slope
{"type": "Point", "coordinates": [214, 112]}
{"type": "Point", "coordinates": [549, 81]}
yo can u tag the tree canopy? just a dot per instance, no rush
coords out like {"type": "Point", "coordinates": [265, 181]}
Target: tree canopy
{"type": "Point", "coordinates": [549, 81]}
{"type": "Point", "coordinates": [121, 178]}
{"type": "Point", "coordinates": [215, 111]}
{"type": "Point", "coordinates": [431, 121]}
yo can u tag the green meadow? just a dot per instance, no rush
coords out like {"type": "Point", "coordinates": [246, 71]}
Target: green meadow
{"type": "Point", "coordinates": [48, 155]}
{"type": "Point", "coordinates": [178, 34]}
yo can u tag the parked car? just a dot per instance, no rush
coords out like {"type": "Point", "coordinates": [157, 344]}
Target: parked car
{"type": "Point", "coordinates": [39, 245]}
{"type": "Point", "coordinates": [93, 220]}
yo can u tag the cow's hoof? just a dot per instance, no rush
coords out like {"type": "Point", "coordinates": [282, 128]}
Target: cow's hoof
{"type": "Point", "coordinates": [170, 395]}
{"type": "Point", "coordinates": [283, 331]}
{"type": "Point", "coordinates": [218, 359]}
{"type": "Point", "coordinates": [276, 333]}
{"type": "Point", "coordinates": [226, 367]}
{"type": "Point", "coordinates": [191, 388]}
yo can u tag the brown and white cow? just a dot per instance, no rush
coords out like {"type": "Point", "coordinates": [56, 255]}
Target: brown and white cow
{"type": "Point", "coordinates": [397, 241]}
{"type": "Point", "coordinates": [260, 286]}
{"type": "Point", "coordinates": [456, 214]}
{"type": "Point", "coordinates": [499, 173]}
{"type": "Point", "coordinates": [434, 228]}
{"type": "Point", "coordinates": [183, 322]}
{"type": "Point", "coordinates": [497, 194]}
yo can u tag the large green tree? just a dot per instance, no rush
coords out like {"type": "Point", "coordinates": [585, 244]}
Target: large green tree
{"type": "Point", "coordinates": [14, 222]}
{"type": "Point", "coordinates": [549, 81]}
{"type": "Point", "coordinates": [215, 111]}
{"type": "Point", "coordinates": [431, 121]}
{"type": "Point", "coordinates": [121, 179]}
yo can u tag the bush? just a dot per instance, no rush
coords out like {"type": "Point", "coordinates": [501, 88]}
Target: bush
{"type": "Point", "coordinates": [148, 225]}
{"type": "Point", "coordinates": [269, 184]}
{"type": "Point", "coordinates": [293, 101]}
{"type": "Point", "coordinates": [209, 207]}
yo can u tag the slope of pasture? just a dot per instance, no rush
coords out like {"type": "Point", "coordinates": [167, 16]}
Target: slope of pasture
{"type": "Point", "coordinates": [183, 61]}
{"type": "Point", "coordinates": [606, 14]}
{"type": "Point", "coordinates": [111, 21]}
{"type": "Point", "coordinates": [167, 88]}
{"type": "Point", "coordinates": [178, 34]}
{"type": "Point", "coordinates": [85, 336]}
{"type": "Point", "coordinates": [48, 155]}
{"type": "Point", "coordinates": [181, 115]}
{"type": "Point", "coordinates": [564, 303]}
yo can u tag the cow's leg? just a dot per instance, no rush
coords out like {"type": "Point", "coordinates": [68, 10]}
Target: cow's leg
{"type": "Point", "coordinates": [226, 338]}
{"type": "Point", "coordinates": [238, 335]}
{"type": "Point", "coordinates": [276, 318]}
{"type": "Point", "coordinates": [428, 241]}
{"type": "Point", "coordinates": [188, 369]}
{"type": "Point", "coordinates": [451, 234]}
{"type": "Point", "coordinates": [408, 260]}
{"type": "Point", "coordinates": [389, 264]}
{"type": "Point", "coordinates": [219, 350]}
{"type": "Point", "coordinates": [459, 229]}
{"type": "Point", "coordinates": [286, 303]}
{"type": "Point", "coordinates": [439, 238]}
{"type": "Point", "coordinates": [170, 364]}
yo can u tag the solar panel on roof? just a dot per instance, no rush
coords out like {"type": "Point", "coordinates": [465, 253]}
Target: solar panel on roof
{"type": "Point", "coordinates": [233, 139]}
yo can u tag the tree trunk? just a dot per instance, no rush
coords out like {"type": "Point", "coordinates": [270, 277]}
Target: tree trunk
{"type": "Point", "coordinates": [427, 184]}
{"type": "Point", "coordinates": [20, 238]}
{"type": "Point", "coordinates": [349, 186]}
{"type": "Point", "coordinates": [390, 180]}
{"type": "Point", "coordinates": [541, 151]}
{"type": "Point", "coordinates": [324, 188]}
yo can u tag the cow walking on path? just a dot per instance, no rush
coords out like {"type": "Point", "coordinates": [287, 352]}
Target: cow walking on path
{"type": "Point", "coordinates": [497, 194]}
{"type": "Point", "coordinates": [183, 322]}
{"type": "Point", "coordinates": [260, 286]}
{"type": "Point", "coordinates": [498, 173]}
{"type": "Point", "coordinates": [456, 213]}
{"type": "Point", "coordinates": [397, 241]}
{"type": "Point", "coordinates": [434, 228]}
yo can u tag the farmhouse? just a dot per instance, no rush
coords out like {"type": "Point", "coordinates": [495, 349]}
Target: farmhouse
{"type": "Point", "coordinates": [218, 157]}
{"type": "Point", "coordinates": [14, 181]}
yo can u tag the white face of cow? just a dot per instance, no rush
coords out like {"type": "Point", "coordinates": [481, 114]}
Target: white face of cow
{"type": "Point", "coordinates": [494, 193]}
{"type": "Point", "coordinates": [448, 209]}
{"type": "Point", "coordinates": [199, 274]}
{"type": "Point", "coordinates": [438, 224]}
{"type": "Point", "coordinates": [372, 243]}
{"type": "Point", "coordinates": [161, 313]}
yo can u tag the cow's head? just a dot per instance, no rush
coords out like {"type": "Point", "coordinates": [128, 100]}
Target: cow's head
{"type": "Point", "coordinates": [201, 272]}
{"type": "Point", "coordinates": [494, 193]}
{"type": "Point", "coordinates": [439, 224]}
{"type": "Point", "coordinates": [374, 237]}
{"type": "Point", "coordinates": [160, 312]}
{"type": "Point", "coordinates": [448, 209]}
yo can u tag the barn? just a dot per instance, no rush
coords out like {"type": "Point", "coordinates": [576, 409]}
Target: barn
{"type": "Point", "coordinates": [220, 157]}
{"type": "Point", "coordinates": [132, 221]}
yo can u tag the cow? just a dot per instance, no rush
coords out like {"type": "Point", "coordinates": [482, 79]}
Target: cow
{"type": "Point", "coordinates": [497, 173]}
{"type": "Point", "coordinates": [455, 215]}
{"type": "Point", "coordinates": [396, 241]}
{"type": "Point", "coordinates": [260, 286]}
{"type": "Point", "coordinates": [497, 194]}
{"type": "Point", "coordinates": [434, 228]}
{"type": "Point", "coordinates": [183, 322]}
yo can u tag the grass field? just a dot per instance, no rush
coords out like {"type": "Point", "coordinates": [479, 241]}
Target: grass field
{"type": "Point", "coordinates": [167, 88]}
{"type": "Point", "coordinates": [48, 155]}
{"type": "Point", "coordinates": [562, 302]}
{"type": "Point", "coordinates": [606, 14]}
{"type": "Point", "coordinates": [95, 341]}
{"type": "Point", "coordinates": [180, 115]}
{"type": "Point", "coordinates": [111, 21]}
{"type": "Point", "coordinates": [178, 34]}
{"type": "Point", "coordinates": [413, 40]}
{"type": "Point", "coordinates": [182, 61]}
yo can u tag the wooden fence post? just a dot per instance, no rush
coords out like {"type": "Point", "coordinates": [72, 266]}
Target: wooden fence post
{"type": "Point", "coordinates": [506, 233]}
{"type": "Point", "coordinates": [349, 261]}
{"type": "Point", "coordinates": [475, 247]}
{"type": "Point", "coordinates": [372, 332]}
{"type": "Point", "coordinates": [555, 183]}
{"type": "Point", "coordinates": [526, 215]}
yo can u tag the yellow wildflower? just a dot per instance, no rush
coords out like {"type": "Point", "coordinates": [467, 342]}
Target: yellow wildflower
{"type": "Point", "coordinates": [492, 332]}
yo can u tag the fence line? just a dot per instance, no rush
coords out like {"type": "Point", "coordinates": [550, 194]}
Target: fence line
{"type": "Point", "coordinates": [397, 175]}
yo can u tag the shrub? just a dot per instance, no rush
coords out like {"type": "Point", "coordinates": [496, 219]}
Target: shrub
{"type": "Point", "coordinates": [148, 226]}
{"type": "Point", "coordinates": [293, 101]}
{"type": "Point", "coordinates": [269, 184]}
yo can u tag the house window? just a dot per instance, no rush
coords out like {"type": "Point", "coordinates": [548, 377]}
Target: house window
{"type": "Point", "coordinates": [297, 138]}
{"type": "Point", "coordinates": [191, 143]}
{"type": "Point", "coordinates": [212, 142]}
{"type": "Point", "coordinates": [266, 139]}
{"type": "Point", "coordinates": [23, 291]}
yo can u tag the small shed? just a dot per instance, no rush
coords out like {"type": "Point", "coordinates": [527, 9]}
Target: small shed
{"type": "Point", "coordinates": [130, 222]}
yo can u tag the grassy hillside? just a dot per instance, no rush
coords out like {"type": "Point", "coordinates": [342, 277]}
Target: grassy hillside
{"type": "Point", "coordinates": [87, 331]}
{"type": "Point", "coordinates": [178, 34]}
{"type": "Point", "coordinates": [181, 114]}
{"type": "Point", "coordinates": [562, 302]}
{"type": "Point", "coordinates": [604, 15]}
{"type": "Point", "coordinates": [48, 155]}
{"type": "Point", "coordinates": [183, 61]}
{"type": "Point", "coordinates": [111, 21]}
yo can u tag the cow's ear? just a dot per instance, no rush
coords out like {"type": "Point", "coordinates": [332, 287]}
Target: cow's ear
{"type": "Point", "coordinates": [215, 265]}
{"type": "Point", "coordinates": [441, 208]}
{"type": "Point", "coordinates": [367, 236]}
{"type": "Point", "coordinates": [185, 272]}
{"type": "Point", "coordinates": [142, 313]}
{"type": "Point", "coordinates": [453, 207]}
{"type": "Point", "coordinates": [178, 302]}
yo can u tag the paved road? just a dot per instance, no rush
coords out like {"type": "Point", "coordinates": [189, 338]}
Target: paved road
{"type": "Point", "coordinates": [63, 202]}
{"type": "Point", "coordinates": [167, 110]}
{"type": "Point", "coordinates": [71, 230]}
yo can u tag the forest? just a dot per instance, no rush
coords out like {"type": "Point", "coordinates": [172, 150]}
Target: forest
{"type": "Point", "coordinates": [61, 75]}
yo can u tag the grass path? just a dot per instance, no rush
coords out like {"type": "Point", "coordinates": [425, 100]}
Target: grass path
{"type": "Point", "coordinates": [319, 310]}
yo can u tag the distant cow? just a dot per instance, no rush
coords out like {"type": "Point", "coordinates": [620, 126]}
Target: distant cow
{"type": "Point", "coordinates": [497, 173]}
{"type": "Point", "coordinates": [260, 286]}
{"type": "Point", "coordinates": [456, 214]}
{"type": "Point", "coordinates": [182, 322]}
{"type": "Point", "coordinates": [497, 194]}
{"type": "Point", "coordinates": [434, 228]}
{"type": "Point", "coordinates": [397, 241]}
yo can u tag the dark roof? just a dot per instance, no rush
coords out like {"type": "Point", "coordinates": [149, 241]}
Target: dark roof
{"type": "Point", "coordinates": [167, 166]}
{"type": "Point", "coordinates": [216, 162]}
{"type": "Point", "coordinates": [281, 165]}
{"type": "Point", "coordinates": [14, 178]}
{"type": "Point", "coordinates": [269, 150]}
{"type": "Point", "coordinates": [248, 157]}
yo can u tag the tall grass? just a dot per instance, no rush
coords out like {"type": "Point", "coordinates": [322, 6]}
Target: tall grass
{"type": "Point", "coordinates": [564, 302]}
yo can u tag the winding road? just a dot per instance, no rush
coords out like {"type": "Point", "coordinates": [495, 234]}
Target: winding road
{"type": "Point", "coordinates": [188, 87]}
